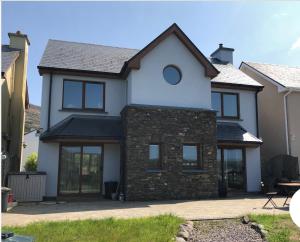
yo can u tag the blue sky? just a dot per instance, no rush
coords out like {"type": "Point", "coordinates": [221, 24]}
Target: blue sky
{"type": "Point", "coordinates": [266, 32]}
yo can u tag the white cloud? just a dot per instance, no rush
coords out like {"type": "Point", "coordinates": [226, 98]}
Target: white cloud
{"type": "Point", "coordinates": [279, 15]}
{"type": "Point", "coordinates": [296, 44]}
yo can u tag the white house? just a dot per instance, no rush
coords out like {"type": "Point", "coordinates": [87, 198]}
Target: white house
{"type": "Point", "coordinates": [165, 122]}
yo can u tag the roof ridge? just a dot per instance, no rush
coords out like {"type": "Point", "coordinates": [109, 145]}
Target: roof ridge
{"type": "Point", "coordinates": [83, 43]}
{"type": "Point", "coordinates": [271, 64]}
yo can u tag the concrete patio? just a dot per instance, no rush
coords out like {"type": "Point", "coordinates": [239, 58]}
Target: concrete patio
{"type": "Point", "coordinates": [201, 209]}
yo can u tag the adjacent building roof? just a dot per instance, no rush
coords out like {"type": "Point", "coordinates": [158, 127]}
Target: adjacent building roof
{"type": "Point", "coordinates": [286, 76]}
{"type": "Point", "coordinates": [231, 75]}
{"type": "Point", "coordinates": [8, 57]}
{"type": "Point", "coordinates": [228, 132]}
{"type": "Point", "coordinates": [85, 127]}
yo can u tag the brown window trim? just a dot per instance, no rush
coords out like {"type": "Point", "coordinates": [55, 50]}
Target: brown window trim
{"type": "Point", "coordinates": [83, 97]}
{"type": "Point", "coordinates": [222, 105]}
{"type": "Point", "coordinates": [199, 157]}
{"type": "Point", "coordinates": [80, 144]}
{"type": "Point", "coordinates": [158, 166]}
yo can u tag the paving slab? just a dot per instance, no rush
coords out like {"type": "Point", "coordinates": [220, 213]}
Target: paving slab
{"type": "Point", "coordinates": [191, 210]}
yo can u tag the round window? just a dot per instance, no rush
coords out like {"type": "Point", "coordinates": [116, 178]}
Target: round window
{"type": "Point", "coordinates": [172, 75]}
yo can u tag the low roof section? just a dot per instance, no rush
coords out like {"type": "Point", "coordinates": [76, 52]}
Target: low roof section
{"type": "Point", "coordinates": [233, 134]}
{"type": "Point", "coordinates": [86, 128]}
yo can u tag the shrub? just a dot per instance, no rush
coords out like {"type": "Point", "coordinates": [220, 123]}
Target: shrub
{"type": "Point", "coordinates": [31, 162]}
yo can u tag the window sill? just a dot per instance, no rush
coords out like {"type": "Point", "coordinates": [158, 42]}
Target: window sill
{"type": "Point", "coordinates": [82, 110]}
{"type": "Point", "coordinates": [228, 118]}
{"type": "Point", "coordinates": [194, 171]}
{"type": "Point", "coordinates": [154, 171]}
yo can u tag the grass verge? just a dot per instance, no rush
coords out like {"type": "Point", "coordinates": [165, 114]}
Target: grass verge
{"type": "Point", "coordinates": [159, 229]}
{"type": "Point", "coordinates": [280, 227]}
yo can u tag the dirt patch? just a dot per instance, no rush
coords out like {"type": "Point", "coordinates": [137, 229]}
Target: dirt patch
{"type": "Point", "coordinates": [227, 230]}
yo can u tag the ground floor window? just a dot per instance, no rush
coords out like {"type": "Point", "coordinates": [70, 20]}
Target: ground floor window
{"type": "Point", "coordinates": [154, 160]}
{"type": "Point", "coordinates": [191, 156]}
{"type": "Point", "coordinates": [232, 168]}
{"type": "Point", "coordinates": [80, 169]}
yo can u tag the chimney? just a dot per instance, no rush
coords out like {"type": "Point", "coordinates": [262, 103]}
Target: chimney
{"type": "Point", "coordinates": [18, 40]}
{"type": "Point", "coordinates": [222, 55]}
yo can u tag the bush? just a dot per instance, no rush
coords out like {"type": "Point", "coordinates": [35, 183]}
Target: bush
{"type": "Point", "coordinates": [31, 162]}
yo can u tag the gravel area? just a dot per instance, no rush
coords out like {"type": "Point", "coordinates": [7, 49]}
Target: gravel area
{"type": "Point", "coordinates": [227, 230]}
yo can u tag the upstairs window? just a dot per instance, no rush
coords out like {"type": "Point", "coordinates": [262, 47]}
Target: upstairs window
{"type": "Point", "coordinates": [83, 95]}
{"type": "Point", "coordinates": [226, 104]}
{"type": "Point", "coordinates": [72, 94]}
{"type": "Point", "coordinates": [191, 156]}
{"type": "Point", "coordinates": [172, 74]}
{"type": "Point", "coordinates": [154, 157]}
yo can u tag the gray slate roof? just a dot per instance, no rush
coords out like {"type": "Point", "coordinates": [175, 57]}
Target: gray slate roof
{"type": "Point", "coordinates": [233, 132]}
{"type": "Point", "coordinates": [230, 74]}
{"type": "Point", "coordinates": [8, 57]}
{"type": "Point", "coordinates": [89, 127]}
{"type": "Point", "coordinates": [91, 57]}
{"type": "Point", "coordinates": [285, 75]}
{"type": "Point", "coordinates": [88, 57]}
{"type": "Point", "coordinates": [92, 127]}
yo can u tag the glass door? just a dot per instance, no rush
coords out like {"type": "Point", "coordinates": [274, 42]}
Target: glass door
{"type": "Point", "coordinates": [90, 170]}
{"type": "Point", "coordinates": [234, 169]}
{"type": "Point", "coordinates": [70, 169]}
{"type": "Point", "coordinates": [80, 169]}
{"type": "Point", "coordinates": [231, 170]}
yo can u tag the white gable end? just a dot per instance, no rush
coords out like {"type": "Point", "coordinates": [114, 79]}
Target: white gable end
{"type": "Point", "coordinates": [148, 86]}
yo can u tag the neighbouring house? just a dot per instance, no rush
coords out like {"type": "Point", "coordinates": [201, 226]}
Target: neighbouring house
{"type": "Point", "coordinates": [32, 118]}
{"type": "Point", "coordinates": [32, 132]}
{"type": "Point", "coordinates": [14, 99]}
{"type": "Point", "coordinates": [30, 145]}
{"type": "Point", "coordinates": [164, 122]}
{"type": "Point", "coordinates": [279, 111]}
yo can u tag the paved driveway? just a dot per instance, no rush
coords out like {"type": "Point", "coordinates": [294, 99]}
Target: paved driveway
{"type": "Point", "coordinates": [201, 209]}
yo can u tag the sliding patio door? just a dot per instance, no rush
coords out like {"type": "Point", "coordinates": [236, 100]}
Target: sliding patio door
{"type": "Point", "coordinates": [80, 169]}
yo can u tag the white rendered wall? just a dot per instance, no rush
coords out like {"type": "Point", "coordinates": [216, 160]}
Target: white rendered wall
{"type": "Point", "coordinates": [111, 163]}
{"type": "Point", "coordinates": [48, 162]}
{"type": "Point", "coordinates": [115, 98]}
{"type": "Point", "coordinates": [147, 85]}
{"type": "Point", "coordinates": [247, 109]}
{"type": "Point", "coordinates": [31, 140]}
{"type": "Point", "coordinates": [253, 169]}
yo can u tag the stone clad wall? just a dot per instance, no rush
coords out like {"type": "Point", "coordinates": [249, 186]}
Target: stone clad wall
{"type": "Point", "coordinates": [170, 127]}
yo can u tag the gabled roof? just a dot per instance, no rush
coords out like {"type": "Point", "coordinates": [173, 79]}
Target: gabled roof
{"type": "Point", "coordinates": [210, 70]}
{"type": "Point", "coordinates": [8, 57]}
{"type": "Point", "coordinates": [85, 57]}
{"type": "Point", "coordinates": [85, 127]}
{"type": "Point", "coordinates": [231, 75]}
{"type": "Point", "coordinates": [228, 132]}
{"type": "Point", "coordinates": [285, 76]}
{"type": "Point", "coordinates": [107, 60]}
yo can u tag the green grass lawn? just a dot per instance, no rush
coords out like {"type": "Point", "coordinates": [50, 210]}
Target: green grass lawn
{"type": "Point", "coordinates": [161, 228]}
{"type": "Point", "coordinates": [280, 227]}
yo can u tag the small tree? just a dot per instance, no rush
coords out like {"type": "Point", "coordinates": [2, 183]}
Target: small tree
{"type": "Point", "coordinates": [31, 162]}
